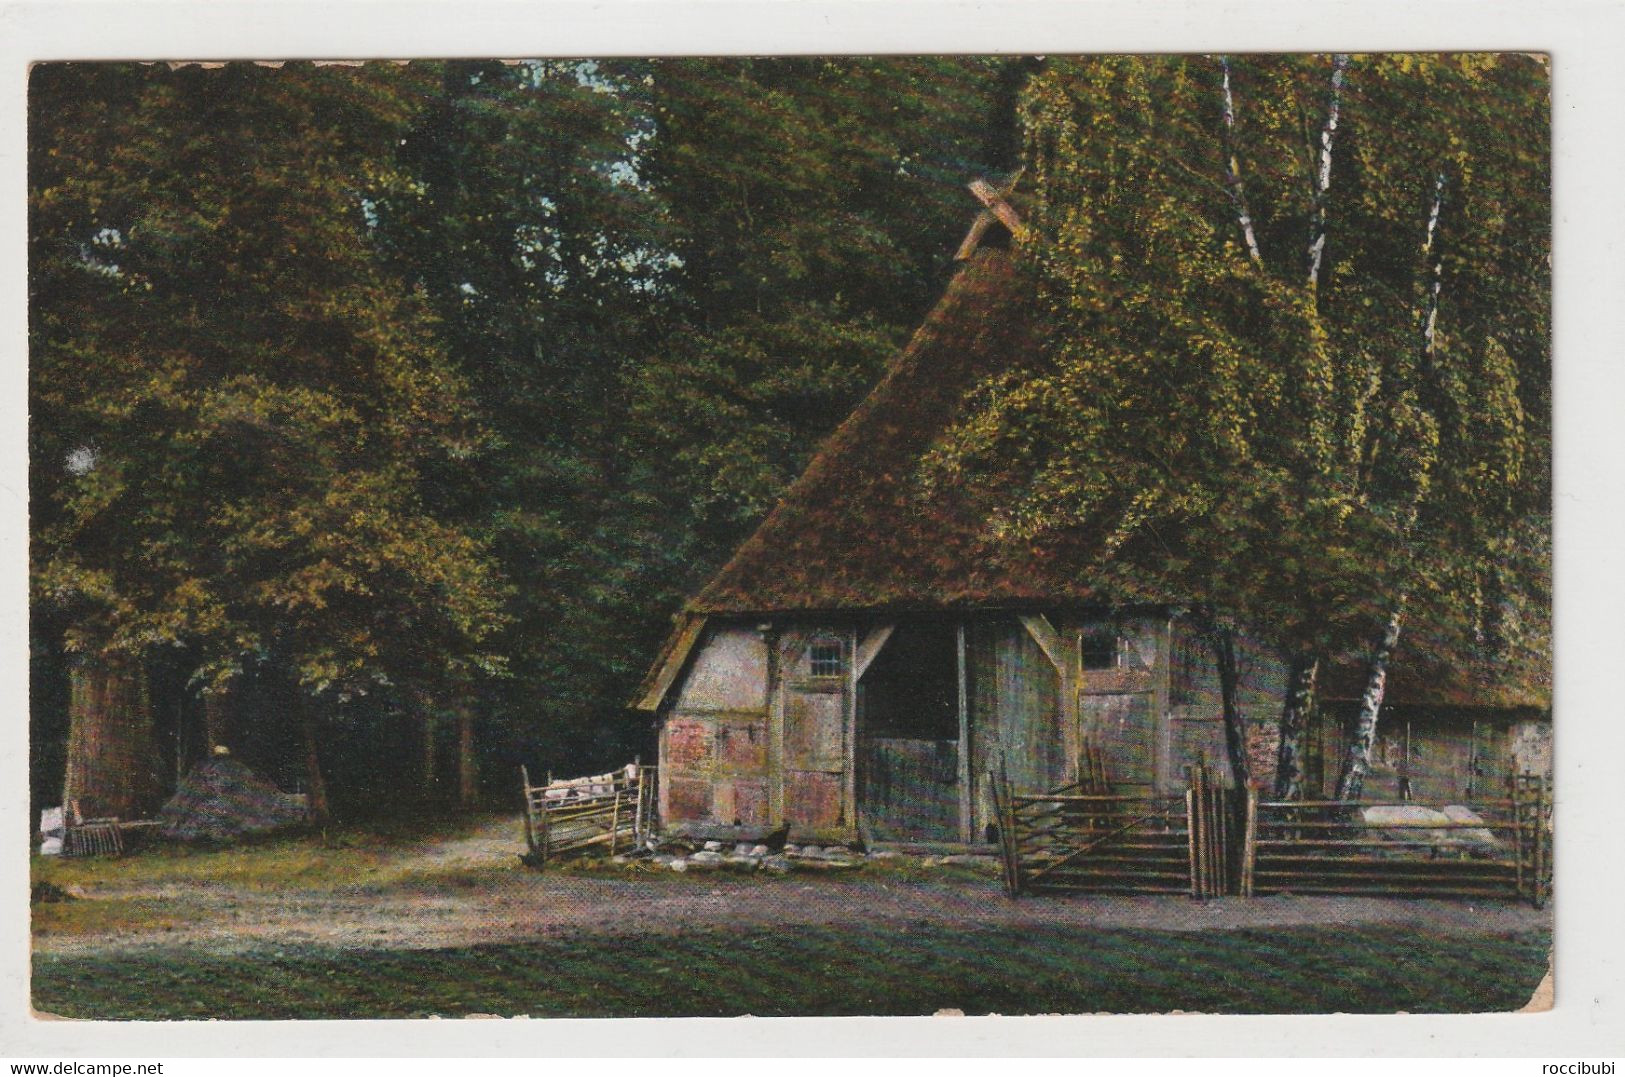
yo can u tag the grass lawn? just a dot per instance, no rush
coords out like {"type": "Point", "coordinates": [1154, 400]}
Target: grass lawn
{"type": "Point", "coordinates": [822, 972]}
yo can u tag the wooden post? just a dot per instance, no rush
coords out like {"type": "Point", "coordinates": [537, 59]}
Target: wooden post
{"type": "Point", "coordinates": [966, 823]}
{"type": "Point", "coordinates": [615, 821]}
{"type": "Point", "coordinates": [530, 829]}
{"type": "Point", "coordinates": [1007, 830]}
{"type": "Point", "coordinates": [637, 810]}
{"type": "Point", "coordinates": [547, 831]}
{"type": "Point", "coordinates": [1190, 835]}
{"type": "Point", "coordinates": [1249, 848]}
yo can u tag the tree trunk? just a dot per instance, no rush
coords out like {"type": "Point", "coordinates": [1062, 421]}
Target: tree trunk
{"type": "Point", "coordinates": [315, 784]}
{"type": "Point", "coordinates": [113, 766]}
{"type": "Point", "coordinates": [431, 757]}
{"type": "Point", "coordinates": [1300, 699]}
{"type": "Point", "coordinates": [1235, 724]}
{"type": "Point", "coordinates": [216, 721]}
{"type": "Point", "coordinates": [468, 778]}
{"type": "Point", "coordinates": [1357, 763]}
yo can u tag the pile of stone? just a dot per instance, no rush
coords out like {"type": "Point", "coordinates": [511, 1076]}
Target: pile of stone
{"type": "Point", "coordinates": [750, 857]}
{"type": "Point", "coordinates": [779, 858]}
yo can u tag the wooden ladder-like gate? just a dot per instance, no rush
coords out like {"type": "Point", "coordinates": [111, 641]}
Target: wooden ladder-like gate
{"type": "Point", "coordinates": [1210, 841]}
{"type": "Point", "coordinates": [1083, 837]}
{"type": "Point", "coordinates": [1502, 850]}
{"type": "Point", "coordinates": [614, 810]}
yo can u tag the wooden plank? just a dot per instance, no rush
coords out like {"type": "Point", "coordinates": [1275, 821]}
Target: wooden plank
{"type": "Point", "coordinates": [973, 238]}
{"type": "Point", "coordinates": [1103, 798]}
{"type": "Point", "coordinates": [1357, 804]}
{"type": "Point", "coordinates": [962, 677]}
{"type": "Point", "coordinates": [994, 200]}
{"type": "Point", "coordinates": [675, 655]}
{"type": "Point", "coordinates": [1049, 641]}
{"type": "Point", "coordinates": [869, 647]}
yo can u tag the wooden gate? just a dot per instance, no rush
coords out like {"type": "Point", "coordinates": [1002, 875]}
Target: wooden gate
{"type": "Point", "coordinates": [615, 810]}
{"type": "Point", "coordinates": [1495, 848]}
{"type": "Point", "coordinates": [1083, 837]}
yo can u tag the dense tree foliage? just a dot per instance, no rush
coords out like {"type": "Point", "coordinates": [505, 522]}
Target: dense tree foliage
{"type": "Point", "coordinates": [236, 406]}
{"type": "Point", "coordinates": [387, 392]}
{"type": "Point", "coordinates": [1298, 364]}
{"type": "Point", "coordinates": [366, 397]}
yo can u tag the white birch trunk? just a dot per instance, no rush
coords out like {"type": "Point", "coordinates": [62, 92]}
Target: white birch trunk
{"type": "Point", "coordinates": [1357, 764]}
{"type": "Point", "coordinates": [1232, 178]}
{"type": "Point", "coordinates": [1430, 318]}
{"type": "Point", "coordinates": [1323, 179]}
{"type": "Point", "coordinates": [1300, 699]}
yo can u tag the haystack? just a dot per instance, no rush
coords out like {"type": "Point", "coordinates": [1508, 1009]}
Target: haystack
{"type": "Point", "coordinates": [222, 799]}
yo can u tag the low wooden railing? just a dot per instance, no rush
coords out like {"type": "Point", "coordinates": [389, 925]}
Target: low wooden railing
{"type": "Point", "coordinates": [615, 810]}
{"type": "Point", "coordinates": [1333, 847]}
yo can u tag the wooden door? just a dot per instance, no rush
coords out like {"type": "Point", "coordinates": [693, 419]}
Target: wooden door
{"type": "Point", "coordinates": [815, 731]}
{"type": "Point", "coordinates": [909, 761]}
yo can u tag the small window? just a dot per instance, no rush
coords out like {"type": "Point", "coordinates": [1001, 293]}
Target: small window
{"type": "Point", "coordinates": [1100, 650]}
{"type": "Point", "coordinates": [826, 660]}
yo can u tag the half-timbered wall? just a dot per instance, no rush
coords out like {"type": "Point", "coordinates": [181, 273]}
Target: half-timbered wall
{"type": "Point", "coordinates": [714, 742]}
{"type": "Point", "coordinates": [1438, 755]}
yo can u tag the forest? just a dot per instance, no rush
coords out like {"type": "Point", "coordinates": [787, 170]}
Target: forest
{"type": "Point", "coordinates": [382, 416]}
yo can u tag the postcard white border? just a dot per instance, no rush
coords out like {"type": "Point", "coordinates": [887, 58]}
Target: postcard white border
{"type": "Point", "coordinates": [1584, 41]}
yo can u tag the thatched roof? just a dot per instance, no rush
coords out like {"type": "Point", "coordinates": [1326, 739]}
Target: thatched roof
{"type": "Point", "coordinates": [855, 534]}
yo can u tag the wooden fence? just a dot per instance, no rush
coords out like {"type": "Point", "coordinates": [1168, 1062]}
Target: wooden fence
{"type": "Point", "coordinates": [1211, 841]}
{"type": "Point", "coordinates": [1494, 849]}
{"type": "Point", "coordinates": [614, 810]}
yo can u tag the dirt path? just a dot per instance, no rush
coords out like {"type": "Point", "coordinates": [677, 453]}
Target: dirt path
{"type": "Point", "coordinates": [472, 890]}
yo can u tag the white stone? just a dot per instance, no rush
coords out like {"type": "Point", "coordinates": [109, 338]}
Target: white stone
{"type": "Point", "coordinates": [759, 850]}
{"type": "Point", "coordinates": [708, 856]}
{"type": "Point", "coordinates": [679, 865]}
{"type": "Point", "coordinates": [778, 865]}
{"type": "Point", "coordinates": [742, 849]}
{"type": "Point", "coordinates": [1461, 814]}
{"type": "Point", "coordinates": [713, 847]}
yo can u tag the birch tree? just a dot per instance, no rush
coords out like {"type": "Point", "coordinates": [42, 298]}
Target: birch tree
{"type": "Point", "coordinates": [1234, 400]}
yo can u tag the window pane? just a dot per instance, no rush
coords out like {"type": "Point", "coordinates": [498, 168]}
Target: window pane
{"type": "Point", "coordinates": [826, 659]}
{"type": "Point", "coordinates": [1100, 650]}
